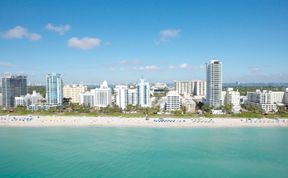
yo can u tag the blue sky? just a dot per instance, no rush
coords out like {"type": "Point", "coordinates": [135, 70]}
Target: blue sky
{"type": "Point", "coordinates": [120, 41]}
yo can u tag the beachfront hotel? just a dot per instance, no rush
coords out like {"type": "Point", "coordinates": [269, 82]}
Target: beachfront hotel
{"type": "Point", "coordinates": [102, 97]}
{"type": "Point", "coordinates": [13, 86]}
{"type": "Point", "coordinates": [54, 89]}
{"type": "Point", "coordinates": [121, 93]}
{"type": "Point", "coordinates": [73, 92]}
{"type": "Point", "coordinates": [214, 83]}
{"type": "Point", "coordinates": [143, 93]}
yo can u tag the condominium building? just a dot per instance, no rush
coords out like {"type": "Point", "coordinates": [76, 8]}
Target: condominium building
{"type": "Point", "coordinates": [132, 96]}
{"type": "Point", "coordinates": [13, 86]}
{"type": "Point", "coordinates": [214, 83]}
{"type": "Point", "coordinates": [73, 91]}
{"type": "Point", "coordinates": [29, 99]}
{"type": "Point", "coordinates": [143, 93]}
{"type": "Point", "coordinates": [232, 97]}
{"type": "Point", "coordinates": [173, 101]}
{"type": "Point", "coordinates": [193, 87]}
{"type": "Point", "coordinates": [54, 89]}
{"type": "Point", "coordinates": [286, 96]}
{"type": "Point", "coordinates": [265, 100]}
{"type": "Point", "coordinates": [103, 95]}
{"type": "Point", "coordinates": [121, 99]}
{"type": "Point", "coordinates": [87, 98]}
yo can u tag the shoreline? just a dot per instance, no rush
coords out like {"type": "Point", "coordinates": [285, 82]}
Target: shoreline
{"type": "Point", "coordinates": [100, 121]}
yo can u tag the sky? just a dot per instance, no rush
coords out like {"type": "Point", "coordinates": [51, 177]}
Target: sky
{"type": "Point", "coordinates": [121, 41]}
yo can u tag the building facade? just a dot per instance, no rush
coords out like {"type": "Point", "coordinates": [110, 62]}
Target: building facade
{"type": "Point", "coordinates": [173, 101]}
{"type": "Point", "coordinates": [132, 96]}
{"type": "Point", "coordinates": [87, 98]}
{"type": "Point", "coordinates": [13, 86]}
{"type": "Point", "coordinates": [103, 95]}
{"type": "Point", "coordinates": [232, 97]}
{"type": "Point", "coordinates": [193, 87]}
{"type": "Point", "coordinates": [121, 99]}
{"type": "Point", "coordinates": [143, 93]}
{"type": "Point", "coordinates": [73, 91]}
{"type": "Point", "coordinates": [54, 89]}
{"type": "Point", "coordinates": [214, 83]}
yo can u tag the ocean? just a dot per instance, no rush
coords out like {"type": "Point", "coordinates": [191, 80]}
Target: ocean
{"type": "Point", "coordinates": [143, 152]}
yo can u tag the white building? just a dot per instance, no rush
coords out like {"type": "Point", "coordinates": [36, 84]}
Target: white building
{"type": "Point", "coordinates": [121, 99]}
{"type": "Point", "coordinates": [29, 99]}
{"type": "Point", "coordinates": [87, 98]}
{"type": "Point", "coordinates": [173, 101]}
{"type": "Point", "coordinates": [54, 89]}
{"type": "Point", "coordinates": [232, 97]}
{"type": "Point", "coordinates": [73, 91]}
{"type": "Point", "coordinates": [286, 96]}
{"type": "Point", "coordinates": [132, 96]}
{"type": "Point", "coordinates": [143, 93]}
{"type": "Point", "coordinates": [103, 95]}
{"type": "Point", "coordinates": [265, 100]}
{"type": "Point", "coordinates": [214, 83]}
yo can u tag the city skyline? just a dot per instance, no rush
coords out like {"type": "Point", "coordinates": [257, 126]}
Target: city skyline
{"type": "Point", "coordinates": [161, 41]}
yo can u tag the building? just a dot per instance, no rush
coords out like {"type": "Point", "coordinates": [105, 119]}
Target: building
{"type": "Point", "coordinates": [232, 97]}
{"type": "Point", "coordinates": [193, 87]}
{"type": "Point", "coordinates": [286, 96]}
{"type": "Point", "coordinates": [102, 97]}
{"type": "Point", "coordinates": [121, 99]}
{"type": "Point", "coordinates": [214, 83]}
{"type": "Point", "coordinates": [1, 99]}
{"type": "Point", "coordinates": [189, 104]}
{"type": "Point", "coordinates": [173, 101]}
{"type": "Point", "coordinates": [143, 93]}
{"type": "Point", "coordinates": [87, 98]}
{"type": "Point", "coordinates": [54, 89]}
{"type": "Point", "coordinates": [265, 100]}
{"type": "Point", "coordinates": [29, 99]}
{"type": "Point", "coordinates": [73, 91]}
{"type": "Point", "coordinates": [132, 96]}
{"type": "Point", "coordinates": [13, 86]}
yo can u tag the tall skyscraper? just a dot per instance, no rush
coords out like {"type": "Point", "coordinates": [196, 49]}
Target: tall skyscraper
{"type": "Point", "coordinates": [143, 93]}
{"type": "Point", "coordinates": [54, 89]}
{"type": "Point", "coordinates": [13, 86]}
{"type": "Point", "coordinates": [214, 83]}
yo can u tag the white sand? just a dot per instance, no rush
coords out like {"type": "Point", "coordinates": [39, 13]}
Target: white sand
{"type": "Point", "coordinates": [78, 121]}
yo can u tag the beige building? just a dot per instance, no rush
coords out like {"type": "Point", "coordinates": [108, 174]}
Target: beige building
{"type": "Point", "coordinates": [73, 91]}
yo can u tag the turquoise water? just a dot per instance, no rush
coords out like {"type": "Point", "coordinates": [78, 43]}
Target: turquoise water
{"type": "Point", "coordinates": [143, 152]}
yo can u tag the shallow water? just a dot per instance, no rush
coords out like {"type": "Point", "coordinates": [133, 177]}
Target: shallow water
{"type": "Point", "coordinates": [143, 152]}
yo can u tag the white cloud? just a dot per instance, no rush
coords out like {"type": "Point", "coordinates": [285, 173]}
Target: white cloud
{"type": "Point", "coordinates": [84, 43]}
{"type": "Point", "coordinates": [60, 29]}
{"type": "Point", "coordinates": [147, 67]}
{"type": "Point", "coordinates": [19, 32]}
{"type": "Point", "coordinates": [130, 62]}
{"type": "Point", "coordinates": [183, 66]}
{"type": "Point", "coordinates": [167, 34]}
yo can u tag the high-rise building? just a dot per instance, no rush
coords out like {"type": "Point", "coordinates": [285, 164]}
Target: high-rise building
{"type": "Point", "coordinates": [143, 93]}
{"type": "Point", "coordinates": [29, 99]}
{"type": "Point", "coordinates": [103, 95]}
{"type": "Point", "coordinates": [54, 89]}
{"type": "Point", "coordinates": [13, 86]}
{"type": "Point", "coordinates": [87, 98]}
{"type": "Point", "coordinates": [73, 91]}
{"type": "Point", "coordinates": [121, 92]}
{"type": "Point", "coordinates": [214, 83]}
{"type": "Point", "coordinates": [193, 87]}
{"type": "Point", "coordinates": [132, 96]}
{"type": "Point", "coordinates": [173, 101]}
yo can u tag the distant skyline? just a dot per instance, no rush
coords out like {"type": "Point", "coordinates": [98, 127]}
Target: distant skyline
{"type": "Point", "coordinates": [120, 41]}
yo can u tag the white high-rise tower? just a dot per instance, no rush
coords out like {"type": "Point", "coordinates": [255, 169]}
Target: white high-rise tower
{"type": "Point", "coordinates": [214, 83]}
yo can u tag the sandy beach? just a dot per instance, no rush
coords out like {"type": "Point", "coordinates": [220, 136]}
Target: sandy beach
{"type": "Point", "coordinates": [80, 121]}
